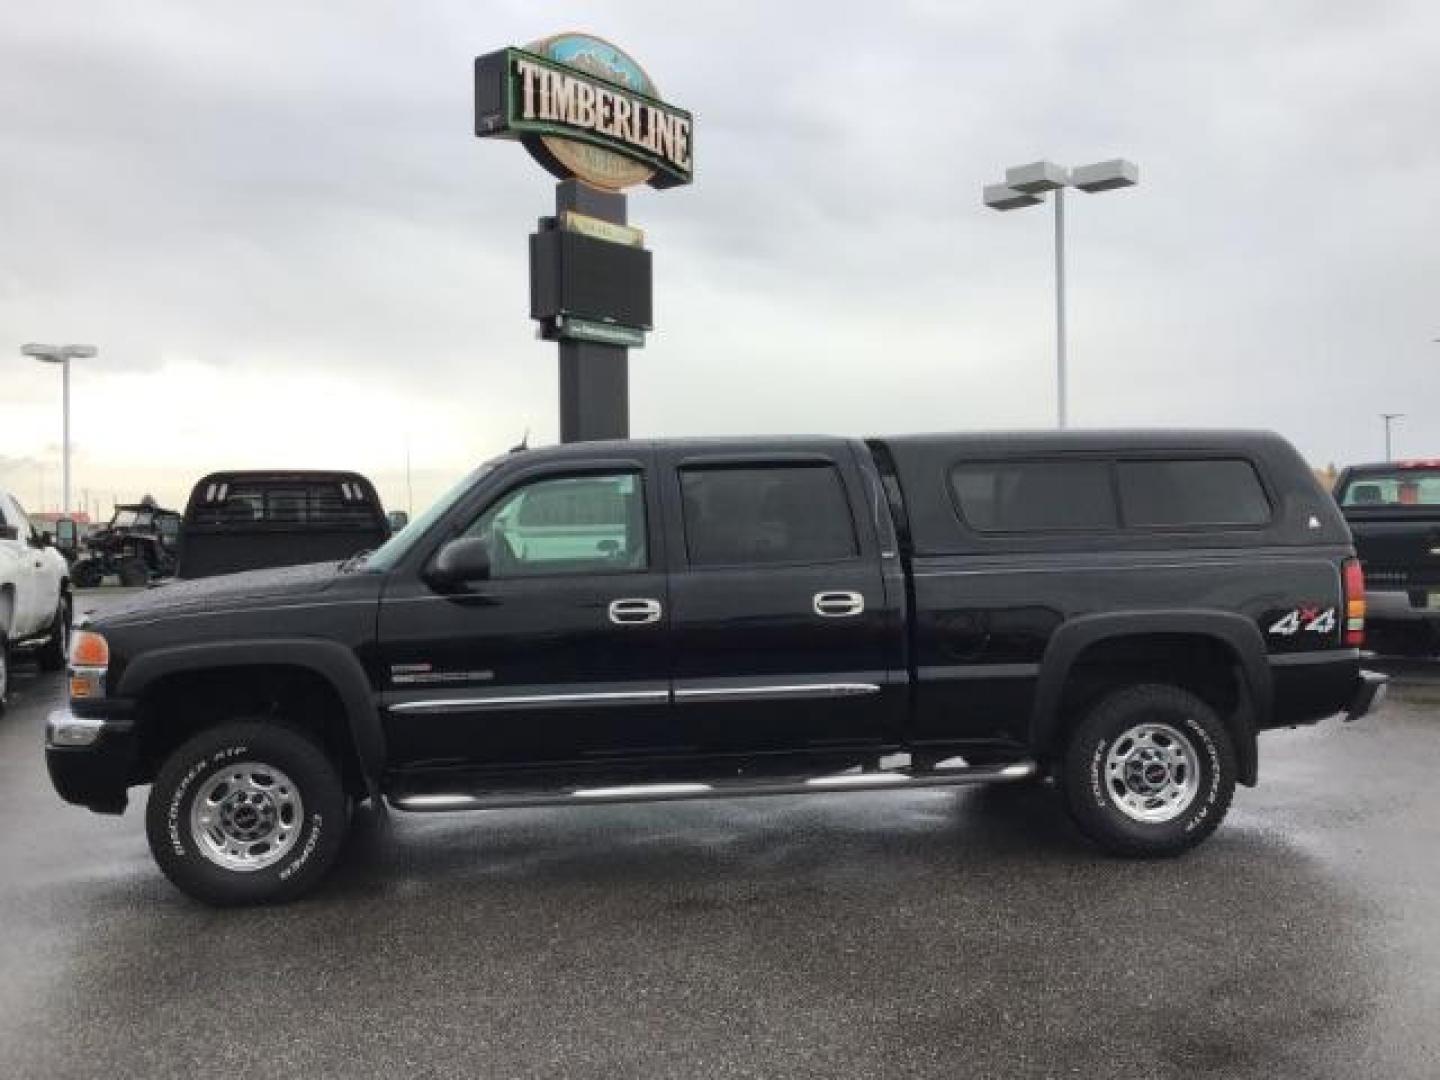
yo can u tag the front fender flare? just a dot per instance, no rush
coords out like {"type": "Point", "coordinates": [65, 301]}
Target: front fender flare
{"type": "Point", "coordinates": [332, 661]}
{"type": "Point", "coordinates": [1237, 633]}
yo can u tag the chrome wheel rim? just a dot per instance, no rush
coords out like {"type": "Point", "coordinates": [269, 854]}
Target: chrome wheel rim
{"type": "Point", "coordinates": [1152, 773]}
{"type": "Point", "coordinates": [247, 816]}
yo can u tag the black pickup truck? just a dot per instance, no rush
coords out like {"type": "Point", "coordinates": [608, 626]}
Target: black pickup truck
{"type": "Point", "coordinates": [256, 520]}
{"type": "Point", "coordinates": [1394, 513]}
{"type": "Point", "coordinates": [649, 620]}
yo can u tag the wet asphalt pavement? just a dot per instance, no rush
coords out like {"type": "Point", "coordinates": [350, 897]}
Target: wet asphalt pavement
{"type": "Point", "coordinates": [898, 934]}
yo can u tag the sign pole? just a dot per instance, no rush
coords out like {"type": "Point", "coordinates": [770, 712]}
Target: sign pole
{"type": "Point", "coordinates": [594, 377]}
{"type": "Point", "coordinates": [591, 116]}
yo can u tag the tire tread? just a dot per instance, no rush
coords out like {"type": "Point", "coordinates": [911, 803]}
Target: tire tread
{"type": "Point", "coordinates": [1127, 706]}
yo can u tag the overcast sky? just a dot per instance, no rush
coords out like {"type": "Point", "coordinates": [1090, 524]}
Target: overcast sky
{"type": "Point", "coordinates": [274, 221]}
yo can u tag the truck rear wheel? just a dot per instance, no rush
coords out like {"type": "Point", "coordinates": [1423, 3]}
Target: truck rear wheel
{"type": "Point", "coordinates": [1150, 771]}
{"type": "Point", "coordinates": [134, 574]}
{"type": "Point", "coordinates": [4, 669]}
{"type": "Point", "coordinates": [56, 652]}
{"type": "Point", "coordinates": [249, 812]}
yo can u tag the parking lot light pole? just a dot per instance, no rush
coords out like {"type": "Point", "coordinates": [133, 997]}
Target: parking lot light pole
{"type": "Point", "coordinates": [1389, 417]}
{"type": "Point", "coordinates": [62, 355]}
{"type": "Point", "coordinates": [1026, 185]}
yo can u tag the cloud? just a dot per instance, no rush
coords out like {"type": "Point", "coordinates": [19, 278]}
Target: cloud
{"type": "Point", "coordinates": [285, 200]}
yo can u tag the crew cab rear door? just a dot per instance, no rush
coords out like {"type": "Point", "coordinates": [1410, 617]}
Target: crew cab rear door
{"type": "Point", "coordinates": [783, 636]}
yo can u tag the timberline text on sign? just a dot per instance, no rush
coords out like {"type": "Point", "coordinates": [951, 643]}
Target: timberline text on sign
{"type": "Point", "coordinates": [553, 96]}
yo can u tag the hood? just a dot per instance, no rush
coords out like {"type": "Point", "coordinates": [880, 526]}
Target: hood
{"type": "Point", "coordinates": [224, 590]}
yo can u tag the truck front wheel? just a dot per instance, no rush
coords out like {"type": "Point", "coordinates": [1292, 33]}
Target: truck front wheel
{"type": "Point", "coordinates": [134, 574]}
{"type": "Point", "coordinates": [1149, 771]}
{"type": "Point", "coordinates": [250, 812]}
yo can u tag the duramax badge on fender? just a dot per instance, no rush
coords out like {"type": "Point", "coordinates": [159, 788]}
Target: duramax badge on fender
{"type": "Point", "coordinates": [683, 619]}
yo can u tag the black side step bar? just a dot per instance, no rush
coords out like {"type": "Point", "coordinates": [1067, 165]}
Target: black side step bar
{"type": "Point", "coordinates": [889, 780]}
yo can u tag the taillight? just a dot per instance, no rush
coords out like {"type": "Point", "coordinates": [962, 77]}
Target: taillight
{"type": "Point", "coordinates": [1354, 604]}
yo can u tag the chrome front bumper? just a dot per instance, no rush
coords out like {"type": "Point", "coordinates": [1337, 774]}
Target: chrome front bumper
{"type": "Point", "coordinates": [64, 728]}
{"type": "Point", "coordinates": [91, 759]}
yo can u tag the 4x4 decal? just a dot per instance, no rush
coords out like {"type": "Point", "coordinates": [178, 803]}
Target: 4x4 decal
{"type": "Point", "coordinates": [1305, 618]}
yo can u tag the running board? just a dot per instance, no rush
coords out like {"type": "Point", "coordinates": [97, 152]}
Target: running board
{"type": "Point", "coordinates": [430, 802]}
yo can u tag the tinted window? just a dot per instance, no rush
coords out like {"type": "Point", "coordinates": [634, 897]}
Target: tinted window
{"type": "Point", "coordinates": [21, 522]}
{"type": "Point", "coordinates": [566, 525]}
{"type": "Point", "coordinates": [1035, 496]}
{"type": "Point", "coordinates": [737, 516]}
{"type": "Point", "coordinates": [312, 504]}
{"type": "Point", "coordinates": [1402, 487]}
{"type": "Point", "coordinates": [395, 548]}
{"type": "Point", "coordinates": [1184, 493]}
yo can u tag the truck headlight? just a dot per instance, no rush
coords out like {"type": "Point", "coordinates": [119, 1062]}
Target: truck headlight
{"type": "Point", "coordinates": [89, 660]}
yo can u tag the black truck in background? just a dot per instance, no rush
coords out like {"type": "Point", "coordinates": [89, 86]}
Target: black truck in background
{"type": "Point", "coordinates": [1393, 510]}
{"type": "Point", "coordinates": [258, 519]}
{"type": "Point", "coordinates": [683, 619]}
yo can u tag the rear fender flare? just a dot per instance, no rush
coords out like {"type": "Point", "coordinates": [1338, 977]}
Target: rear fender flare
{"type": "Point", "coordinates": [330, 660]}
{"type": "Point", "coordinates": [1237, 633]}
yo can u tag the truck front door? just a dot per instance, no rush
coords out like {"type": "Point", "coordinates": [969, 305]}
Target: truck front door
{"type": "Point", "coordinates": [562, 655]}
{"type": "Point", "coordinates": [785, 639]}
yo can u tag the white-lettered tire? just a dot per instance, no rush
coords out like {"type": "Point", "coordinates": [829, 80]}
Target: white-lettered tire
{"type": "Point", "coordinates": [250, 812]}
{"type": "Point", "coordinates": [1149, 771]}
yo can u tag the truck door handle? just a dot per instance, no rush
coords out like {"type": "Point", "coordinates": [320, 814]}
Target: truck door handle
{"type": "Point", "coordinates": [634, 612]}
{"type": "Point", "coordinates": [837, 605]}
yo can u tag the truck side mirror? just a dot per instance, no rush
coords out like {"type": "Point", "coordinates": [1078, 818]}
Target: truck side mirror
{"type": "Point", "coordinates": [65, 535]}
{"type": "Point", "coordinates": [460, 562]}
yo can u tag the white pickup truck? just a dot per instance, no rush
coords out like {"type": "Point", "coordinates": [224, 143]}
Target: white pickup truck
{"type": "Point", "coordinates": [34, 594]}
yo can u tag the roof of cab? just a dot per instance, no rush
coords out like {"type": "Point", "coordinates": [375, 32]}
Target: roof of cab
{"type": "Point", "coordinates": [1402, 465]}
{"type": "Point", "coordinates": [273, 475]}
{"type": "Point", "coordinates": [999, 441]}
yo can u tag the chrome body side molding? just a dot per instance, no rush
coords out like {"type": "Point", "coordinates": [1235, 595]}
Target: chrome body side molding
{"type": "Point", "coordinates": [531, 701]}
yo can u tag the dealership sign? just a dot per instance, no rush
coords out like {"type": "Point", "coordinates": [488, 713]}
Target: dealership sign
{"type": "Point", "coordinates": [584, 109]}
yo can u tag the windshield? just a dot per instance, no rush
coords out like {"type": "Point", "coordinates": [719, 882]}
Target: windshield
{"type": "Point", "coordinates": [1400, 488]}
{"type": "Point", "coordinates": [393, 550]}
{"type": "Point", "coordinates": [130, 519]}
